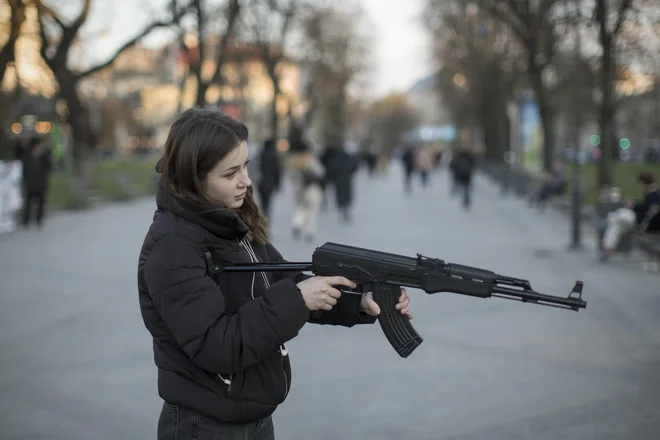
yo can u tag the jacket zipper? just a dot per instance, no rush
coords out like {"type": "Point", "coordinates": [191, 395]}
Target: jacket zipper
{"type": "Point", "coordinates": [283, 351]}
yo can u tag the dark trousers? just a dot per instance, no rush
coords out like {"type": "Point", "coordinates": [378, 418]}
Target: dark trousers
{"type": "Point", "coordinates": [180, 423]}
{"type": "Point", "coordinates": [464, 187]}
{"type": "Point", "coordinates": [32, 197]}
{"type": "Point", "coordinates": [424, 176]}
{"type": "Point", "coordinates": [408, 180]}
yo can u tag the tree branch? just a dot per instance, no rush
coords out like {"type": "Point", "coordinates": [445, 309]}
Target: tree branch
{"type": "Point", "coordinates": [69, 32]}
{"type": "Point", "coordinates": [519, 29]}
{"type": "Point", "coordinates": [8, 52]}
{"type": "Point", "coordinates": [234, 11]}
{"type": "Point", "coordinates": [43, 8]}
{"type": "Point", "coordinates": [125, 46]}
{"type": "Point", "coordinates": [45, 43]}
{"type": "Point", "coordinates": [623, 8]}
{"type": "Point", "coordinates": [75, 27]}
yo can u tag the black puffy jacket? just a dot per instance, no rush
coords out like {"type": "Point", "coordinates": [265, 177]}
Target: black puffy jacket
{"type": "Point", "coordinates": [219, 342]}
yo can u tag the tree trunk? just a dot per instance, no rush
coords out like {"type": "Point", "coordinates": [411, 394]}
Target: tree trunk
{"type": "Point", "coordinates": [335, 126]}
{"type": "Point", "coordinates": [606, 116]}
{"type": "Point", "coordinates": [489, 120]}
{"type": "Point", "coordinates": [182, 87]}
{"type": "Point", "coordinates": [549, 133]}
{"type": "Point", "coordinates": [202, 87]}
{"type": "Point", "coordinates": [275, 120]}
{"type": "Point", "coordinates": [83, 136]}
{"type": "Point", "coordinates": [492, 115]}
{"type": "Point", "coordinates": [271, 66]}
{"type": "Point", "coordinates": [546, 112]}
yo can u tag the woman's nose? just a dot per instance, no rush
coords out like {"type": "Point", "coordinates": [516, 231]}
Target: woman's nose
{"type": "Point", "coordinates": [245, 182]}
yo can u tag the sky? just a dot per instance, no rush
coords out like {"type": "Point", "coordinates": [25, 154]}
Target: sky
{"type": "Point", "coordinates": [400, 54]}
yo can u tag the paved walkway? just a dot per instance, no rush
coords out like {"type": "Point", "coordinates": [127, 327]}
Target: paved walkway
{"type": "Point", "coordinates": [77, 362]}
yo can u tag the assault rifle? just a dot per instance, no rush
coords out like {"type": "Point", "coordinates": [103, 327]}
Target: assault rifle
{"type": "Point", "coordinates": [384, 274]}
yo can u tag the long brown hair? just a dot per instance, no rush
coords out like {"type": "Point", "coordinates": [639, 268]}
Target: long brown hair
{"type": "Point", "coordinates": [197, 140]}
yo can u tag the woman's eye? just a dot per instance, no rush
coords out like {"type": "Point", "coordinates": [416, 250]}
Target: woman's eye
{"type": "Point", "coordinates": [229, 176]}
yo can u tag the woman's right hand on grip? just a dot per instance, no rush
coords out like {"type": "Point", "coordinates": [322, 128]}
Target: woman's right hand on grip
{"type": "Point", "coordinates": [319, 294]}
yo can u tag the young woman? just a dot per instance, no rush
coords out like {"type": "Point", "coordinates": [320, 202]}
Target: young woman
{"type": "Point", "coordinates": [219, 342]}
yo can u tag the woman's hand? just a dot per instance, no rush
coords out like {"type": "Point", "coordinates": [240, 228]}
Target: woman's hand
{"type": "Point", "coordinates": [319, 294]}
{"type": "Point", "coordinates": [369, 306]}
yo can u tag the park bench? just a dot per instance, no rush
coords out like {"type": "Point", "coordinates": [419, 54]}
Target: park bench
{"type": "Point", "coordinates": [648, 242]}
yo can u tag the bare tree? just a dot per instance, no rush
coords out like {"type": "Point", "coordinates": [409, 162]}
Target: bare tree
{"type": "Point", "coordinates": [205, 20]}
{"type": "Point", "coordinates": [334, 52]}
{"type": "Point", "coordinates": [270, 24]}
{"type": "Point", "coordinates": [55, 50]}
{"type": "Point", "coordinates": [610, 19]}
{"type": "Point", "coordinates": [16, 19]}
{"type": "Point", "coordinates": [479, 61]}
{"type": "Point", "coordinates": [534, 22]}
{"type": "Point", "coordinates": [390, 118]}
{"type": "Point", "coordinates": [8, 54]}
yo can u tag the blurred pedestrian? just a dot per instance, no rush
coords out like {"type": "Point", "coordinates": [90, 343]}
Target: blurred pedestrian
{"type": "Point", "coordinates": [341, 168]}
{"type": "Point", "coordinates": [307, 175]}
{"type": "Point", "coordinates": [408, 159]}
{"type": "Point", "coordinates": [270, 173]}
{"type": "Point", "coordinates": [328, 182]}
{"type": "Point", "coordinates": [37, 165]}
{"type": "Point", "coordinates": [219, 339]}
{"type": "Point", "coordinates": [424, 162]}
{"type": "Point", "coordinates": [462, 168]}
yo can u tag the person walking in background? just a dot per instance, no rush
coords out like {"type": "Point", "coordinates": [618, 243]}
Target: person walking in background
{"type": "Point", "coordinates": [270, 173]}
{"type": "Point", "coordinates": [307, 174]}
{"type": "Point", "coordinates": [328, 183]}
{"type": "Point", "coordinates": [408, 159]}
{"type": "Point", "coordinates": [342, 167]}
{"type": "Point", "coordinates": [462, 168]}
{"type": "Point", "coordinates": [37, 164]}
{"type": "Point", "coordinates": [424, 162]}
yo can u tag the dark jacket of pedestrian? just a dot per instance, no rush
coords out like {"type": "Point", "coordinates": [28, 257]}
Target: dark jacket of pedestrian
{"type": "Point", "coordinates": [219, 340]}
{"type": "Point", "coordinates": [269, 168]}
{"type": "Point", "coordinates": [642, 211]}
{"type": "Point", "coordinates": [37, 165]}
{"type": "Point", "coordinates": [462, 166]}
{"type": "Point", "coordinates": [341, 168]}
{"type": "Point", "coordinates": [327, 158]}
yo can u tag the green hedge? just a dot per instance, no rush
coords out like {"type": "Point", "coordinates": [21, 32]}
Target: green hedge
{"type": "Point", "coordinates": [120, 179]}
{"type": "Point", "coordinates": [625, 177]}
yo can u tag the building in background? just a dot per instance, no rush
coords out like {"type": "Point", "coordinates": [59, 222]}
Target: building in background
{"type": "Point", "coordinates": [435, 128]}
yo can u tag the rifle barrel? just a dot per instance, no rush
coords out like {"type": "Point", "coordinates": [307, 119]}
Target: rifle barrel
{"type": "Point", "coordinates": [268, 267]}
{"type": "Point", "coordinates": [539, 298]}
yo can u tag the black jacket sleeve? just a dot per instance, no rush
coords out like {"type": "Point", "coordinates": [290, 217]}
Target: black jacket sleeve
{"type": "Point", "coordinates": [345, 313]}
{"type": "Point", "coordinates": [642, 209]}
{"type": "Point", "coordinates": [193, 309]}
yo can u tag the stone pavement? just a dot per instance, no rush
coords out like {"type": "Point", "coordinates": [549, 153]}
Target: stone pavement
{"type": "Point", "coordinates": [77, 363]}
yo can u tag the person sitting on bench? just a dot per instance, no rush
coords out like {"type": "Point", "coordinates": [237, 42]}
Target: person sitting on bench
{"type": "Point", "coordinates": [553, 184]}
{"type": "Point", "coordinates": [624, 220]}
